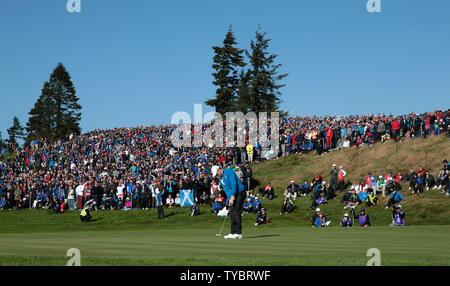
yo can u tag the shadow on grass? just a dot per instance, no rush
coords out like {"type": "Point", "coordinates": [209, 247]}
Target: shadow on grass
{"type": "Point", "coordinates": [261, 236]}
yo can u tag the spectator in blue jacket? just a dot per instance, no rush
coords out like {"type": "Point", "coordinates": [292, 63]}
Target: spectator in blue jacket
{"type": "Point", "coordinates": [396, 197]}
{"type": "Point", "coordinates": [248, 206]}
{"type": "Point", "coordinates": [305, 189]}
{"type": "Point", "coordinates": [3, 204]}
{"type": "Point", "coordinates": [256, 205]}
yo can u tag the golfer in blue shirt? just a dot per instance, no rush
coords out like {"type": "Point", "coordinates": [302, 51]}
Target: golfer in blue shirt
{"type": "Point", "coordinates": [235, 192]}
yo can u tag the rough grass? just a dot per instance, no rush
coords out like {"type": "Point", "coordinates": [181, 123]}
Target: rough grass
{"type": "Point", "coordinates": [428, 208]}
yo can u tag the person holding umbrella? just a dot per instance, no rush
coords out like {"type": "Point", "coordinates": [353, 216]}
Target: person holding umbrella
{"type": "Point", "coordinates": [235, 192]}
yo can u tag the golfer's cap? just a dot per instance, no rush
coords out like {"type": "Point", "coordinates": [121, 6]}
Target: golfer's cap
{"type": "Point", "coordinates": [214, 170]}
{"type": "Point", "coordinates": [318, 210]}
{"type": "Point", "coordinates": [334, 165]}
{"type": "Point", "coordinates": [362, 210]}
{"type": "Point", "coordinates": [380, 177]}
{"type": "Point", "coordinates": [263, 209]}
{"type": "Point", "coordinates": [292, 181]}
{"type": "Point", "coordinates": [345, 214]}
{"type": "Point", "coordinates": [399, 206]}
{"type": "Point", "coordinates": [248, 199]}
{"type": "Point", "coordinates": [323, 182]}
{"type": "Point", "coordinates": [256, 198]}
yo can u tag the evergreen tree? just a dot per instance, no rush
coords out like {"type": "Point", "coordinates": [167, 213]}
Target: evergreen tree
{"type": "Point", "coordinates": [264, 94]}
{"type": "Point", "coordinates": [15, 132]}
{"type": "Point", "coordinates": [243, 99]}
{"type": "Point", "coordinates": [56, 114]}
{"type": "Point", "coordinates": [226, 62]}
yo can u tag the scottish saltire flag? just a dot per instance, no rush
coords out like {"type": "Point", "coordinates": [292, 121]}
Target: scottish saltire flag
{"type": "Point", "coordinates": [186, 198]}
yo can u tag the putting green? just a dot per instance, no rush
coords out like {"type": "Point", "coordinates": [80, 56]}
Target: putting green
{"type": "Point", "coordinates": [267, 245]}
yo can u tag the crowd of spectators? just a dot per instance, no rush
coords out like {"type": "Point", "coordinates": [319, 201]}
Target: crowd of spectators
{"type": "Point", "coordinates": [129, 168]}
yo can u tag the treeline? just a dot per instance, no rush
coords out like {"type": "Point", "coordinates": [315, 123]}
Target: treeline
{"type": "Point", "coordinates": [246, 86]}
{"type": "Point", "coordinates": [55, 115]}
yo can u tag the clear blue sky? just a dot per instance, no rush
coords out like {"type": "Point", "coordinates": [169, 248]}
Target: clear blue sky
{"type": "Point", "coordinates": [137, 62]}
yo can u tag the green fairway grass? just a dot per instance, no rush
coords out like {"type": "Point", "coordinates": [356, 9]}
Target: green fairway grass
{"type": "Point", "coordinates": [418, 245]}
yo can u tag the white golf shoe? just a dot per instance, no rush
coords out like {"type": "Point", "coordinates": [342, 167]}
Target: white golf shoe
{"type": "Point", "coordinates": [230, 236]}
{"type": "Point", "coordinates": [238, 236]}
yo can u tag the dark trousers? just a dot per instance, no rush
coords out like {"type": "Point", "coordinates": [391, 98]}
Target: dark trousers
{"type": "Point", "coordinates": [392, 202]}
{"type": "Point", "coordinates": [160, 212]}
{"type": "Point", "coordinates": [235, 213]}
{"type": "Point", "coordinates": [341, 186]}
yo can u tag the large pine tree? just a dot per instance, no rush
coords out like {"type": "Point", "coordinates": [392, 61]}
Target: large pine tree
{"type": "Point", "coordinates": [264, 94]}
{"type": "Point", "coordinates": [226, 63]}
{"type": "Point", "coordinates": [243, 102]}
{"type": "Point", "coordinates": [56, 114]}
{"type": "Point", "coordinates": [15, 132]}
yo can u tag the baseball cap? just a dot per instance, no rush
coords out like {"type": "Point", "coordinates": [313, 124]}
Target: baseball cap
{"type": "Point", "coordinates": [345, 214]}
{"type": "Point", "coordinates": [318, 210]}
{"type": "Point", "coordinates": [334, 165]}
{"type": "Point", "coordinates": [292, 181]}
{"type": "Point", "coordinates": [214, 170]}
{"type": "Point", "coordinates": [399, 206]}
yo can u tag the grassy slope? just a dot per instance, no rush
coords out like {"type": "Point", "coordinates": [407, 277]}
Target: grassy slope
{"type": "Point", "coordinates": [429, 208]}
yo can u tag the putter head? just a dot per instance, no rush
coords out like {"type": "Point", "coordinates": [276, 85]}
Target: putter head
{"type": "Point", "coordinates": [218, 234]}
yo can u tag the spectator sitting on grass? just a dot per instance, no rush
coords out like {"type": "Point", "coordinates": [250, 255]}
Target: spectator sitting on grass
{"type": "Point", "coordinates": [372, 199]}
{"type": "Point", "coordinates": [195, 209]}
{"type": "Point", "coordinates": [204, 198]}
{"type": "Point", "coordinates": [305, 189]}
{"type": "Point", "coordinates": [105, 202]}
{"type": "Point", "coordinates": [353, 200]}
{"type": "Point", "coordinates": [85, 215]}
{"type": "Point", "coordinates": [177, 201]}
{"type": "Point", "coordinates": [363, 217]}
{"type": "Point", "coordinates": [170, 202]}
{"type": "Point", "coordinates": [320, 201]}
{"type": "Point", "coordinates": [442, 179]}
{"type": "Point", "coordinates": [256, 205]}
{"type": "Point", "coordinates": [261, 217]}
{"type": "Point", "coordinates": [364, 195]}
{"type": "Point", "coordinates": [127, 204]}
{"type": "Point", "coordinates": [218, 205]}
{"type": "Point", "coordinates": [251, 195]}
{"type": "Point", "coordinates": [429, 180]}
{"type": "Point", "coordinates": [314, 216]}
{"type": "Point", "coordinates": [346, 221]}
{"type": "Point", "coordinates": [267, 190]}
{"type": "Point", "coordinates": [396, 197]}
{"type": "Point", "coordinates": [398, 216]}
{"type": "Point", "coordinates": [248, 206]}
{"type": "Point", "coordinates": [321, 220]}
{"type": "Point", "coordinates": [287, 206]}
{"type": "Point", "coordinates": [381, 186]}
{"type": "Point", "coordinates": [3, 204]}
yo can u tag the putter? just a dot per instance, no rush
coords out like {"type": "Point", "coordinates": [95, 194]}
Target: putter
{"type": "Point", "coordinates": [220, 234]}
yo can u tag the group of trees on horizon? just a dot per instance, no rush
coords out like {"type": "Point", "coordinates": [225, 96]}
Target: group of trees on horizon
{"type": "Point", "coordinates": [241, 86]}
{"type": "Point", "coordinates": [55, 115]}
{"type": "Point", "coordinates": [246, 87]}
